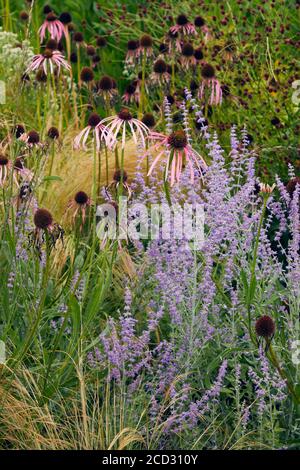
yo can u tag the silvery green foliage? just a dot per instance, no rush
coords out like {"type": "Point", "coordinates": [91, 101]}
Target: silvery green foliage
{"type": "Point", "coordinates": [15, 55]}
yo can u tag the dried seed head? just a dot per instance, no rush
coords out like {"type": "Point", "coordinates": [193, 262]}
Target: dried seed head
{"type": "Point", "coordinates": [265, 327]}
{"type": "Point", "coordinates": [42, 219]}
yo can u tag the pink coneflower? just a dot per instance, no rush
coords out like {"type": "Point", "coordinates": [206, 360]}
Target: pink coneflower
{"type": "Point", "coordinates": [212, 83]}
{"type": "Point", "coordinates": [160, 72]}
{"type": "Point", "coordinates": [79, 205]}
{"type": "Point", "coordinates": [187, 58]}
{"type": "Point", "coordinates": [177, 149]}
{"type": "Point", "coordinates": [120, 122]}
{"type": "Point", "coordinates": [5, 165]}
{"type": "Point", "coordinates": [99, 131]}
{"type": "Point", "coordinates": [145, 46]}
{"type": "Point", "coordinates": [183, 26]}
{"type": "Point", "coordinates": [133, 51]}
{"type": "Point", "coordinates": [132, 93]}
{"type": "Point", "coordinates": [48, 60]}
{"type": "Point", "coordinates": [54, 26]}
{"type": "Point", "coordinates": [120, 177]}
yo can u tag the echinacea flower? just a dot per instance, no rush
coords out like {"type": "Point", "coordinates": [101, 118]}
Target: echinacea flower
{"type": "Point", "coordinates": [120, 177]}
{"type": "Point", "coordinates": [121, 122]}
{"type": "Point", "coordinates": [132, 93]}
{"type": "Point", "coordinates": [133, 51]}
{"type": "Point", "coordinates": [178, 151]}
{"type": "Point", "coordinates": [146, 44]}
{"type": "Point", "coordinates": [79, 204]}
{"type": "Point", "coordinates": [99, 131]}
{"type": "Point", "coordinates": [183, 26]}
{"type": "Point", "coordinates": [187, 58]}
{"type": "Point", "coordinates": [47, 61]}
{"type": "Point", "coordinates": [160, 72]}
{"type": "Point", "coordinates": [54, 26]}
{"type": "Point", "coordinates": [211, 83]}
{"type": "Point", "coordinates": [266, 188]}
{"type": "Point", "coordinates": [4, 169]}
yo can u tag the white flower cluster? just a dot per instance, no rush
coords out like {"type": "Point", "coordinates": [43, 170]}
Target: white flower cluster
{"type": "Point", "coordinates": [15, 55]}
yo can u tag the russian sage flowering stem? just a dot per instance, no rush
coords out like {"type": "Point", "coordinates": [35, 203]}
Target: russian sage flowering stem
{"type": "Point", "coordinates": [252, 284]}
